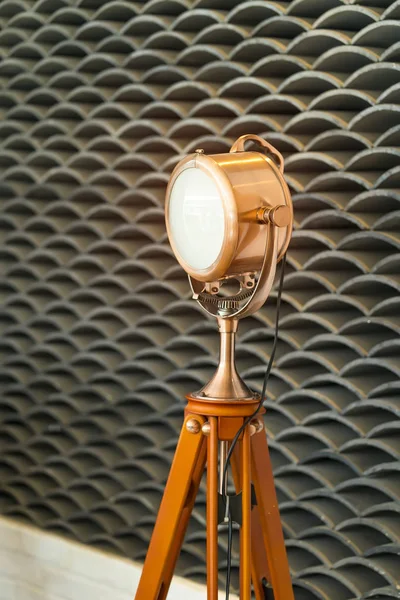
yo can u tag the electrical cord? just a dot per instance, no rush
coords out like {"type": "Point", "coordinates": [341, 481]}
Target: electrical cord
{"type": "Point", "coordinates": [229, 557]}
{"type": "Point", "coordinates": [245, 423]}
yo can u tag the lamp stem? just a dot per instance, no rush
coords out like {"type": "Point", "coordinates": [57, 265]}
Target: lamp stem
{"type": "Point", "coordinates": [227, 329]}
{"type": "Point", "coordinates": [226, 383]}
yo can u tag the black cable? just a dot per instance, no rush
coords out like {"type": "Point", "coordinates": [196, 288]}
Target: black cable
{"type": "Point", "coordinates": [249, 419]}
{"type": "Point", "coordinates": [229, 556]}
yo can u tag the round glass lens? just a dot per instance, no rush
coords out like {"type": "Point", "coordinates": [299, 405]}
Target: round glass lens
{"type": "Point", "coordinates": [196, 218]}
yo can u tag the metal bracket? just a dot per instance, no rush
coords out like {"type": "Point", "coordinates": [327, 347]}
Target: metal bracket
{"type": "Point", "coordinates": [268, 591]}
{"type": "Point", "coordinates": [235, 506]}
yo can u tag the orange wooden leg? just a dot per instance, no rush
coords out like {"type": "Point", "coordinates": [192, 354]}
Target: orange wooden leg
{"type": "Point", "coordinates": [184, 520]}
{"type": "Point", "coordinates": [173, 516]}
{"type": "Point", "coordinates": [259, 563]}
{"type": "Point", "coordinates": [212, 511]}
{"type": "Point", "coordinates": [245, 531]}
{"type": "Point", "coordinates": [270, 518]}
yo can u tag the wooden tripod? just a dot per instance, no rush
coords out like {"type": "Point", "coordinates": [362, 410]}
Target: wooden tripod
{"type": "Point", "coordinates": [210, 423]}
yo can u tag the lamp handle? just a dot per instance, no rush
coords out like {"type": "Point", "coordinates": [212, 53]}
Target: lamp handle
{"type": "Point", "coordinates": [238, 146]}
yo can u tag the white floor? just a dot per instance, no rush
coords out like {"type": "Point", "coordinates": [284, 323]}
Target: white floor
{"type": "Point", "coordinates": [39, 566]}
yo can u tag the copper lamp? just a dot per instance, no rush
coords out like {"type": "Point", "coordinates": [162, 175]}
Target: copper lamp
{"type": "Point", "coordinates": [229, 222]}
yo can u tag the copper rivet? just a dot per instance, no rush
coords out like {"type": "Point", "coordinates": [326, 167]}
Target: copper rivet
{"type": "Point", "coordinates": [206, 428]}
{"type": "Point", "coordinates": [193, 426]}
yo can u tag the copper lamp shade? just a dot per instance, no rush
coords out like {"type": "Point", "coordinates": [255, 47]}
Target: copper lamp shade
{"type": "Point", "coordinates": [229, 216]}
{"type": "Point", "coordinates": [223, 199]}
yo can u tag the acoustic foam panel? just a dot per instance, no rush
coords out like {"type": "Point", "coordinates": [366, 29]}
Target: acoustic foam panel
{"type": "Point", "coordinates": [100, 339]}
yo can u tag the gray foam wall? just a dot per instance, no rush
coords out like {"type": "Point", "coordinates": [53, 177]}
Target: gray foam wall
{"type": "Point", "coordinates": [100, 340]}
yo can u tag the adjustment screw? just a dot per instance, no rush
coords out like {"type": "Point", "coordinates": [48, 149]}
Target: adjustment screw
{"type": "Point", "coordinates": [206, 428]}
{"type": "Point", "coordinates": [280, 215]}
{"type": "Point", "coordinates": [193, 426]}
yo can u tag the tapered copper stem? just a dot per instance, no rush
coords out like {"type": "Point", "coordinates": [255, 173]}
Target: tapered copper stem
{"type": "Point", "coordinates": [226, 383]}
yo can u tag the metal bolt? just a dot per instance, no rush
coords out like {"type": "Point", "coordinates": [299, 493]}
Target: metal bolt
{"type": "Point", "coordinates": [280, 215]}
{"type": "Point", "coordinates": [193, 426]}
{"type": "Point", "coordinates": [277, 215]}
{"type": "Point", "coordinates": [199, 151]}
{"type": "Point", "coordinates": [206, 428]}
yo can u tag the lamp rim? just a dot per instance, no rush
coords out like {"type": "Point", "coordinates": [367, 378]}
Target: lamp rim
{"type": "Point", "coordinates": [231, 227]}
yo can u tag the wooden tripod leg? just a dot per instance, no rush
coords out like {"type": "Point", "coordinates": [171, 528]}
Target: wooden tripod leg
{"type": "Point", "coordinates": [267, 502]}
{"type": "Point", "coordinates": [184, 520]}
{"type": "Point", "coordinates": [212, 511]}
{"type": "Point", "coordinates": [173, 516]}
{"type": "Point", "coordinates": [259, 563]}
{"type": "Point", "coordinates": [245, 532]}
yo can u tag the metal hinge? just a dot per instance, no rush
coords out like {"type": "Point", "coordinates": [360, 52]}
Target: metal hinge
{"type": "Point", "coordinates": [235, 506]}
{"type": "Point", "coordinates": [268, 591]}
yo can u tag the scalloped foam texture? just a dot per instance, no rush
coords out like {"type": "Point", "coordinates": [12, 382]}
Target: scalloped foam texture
{"type": "Point", "coordinates": [100, 340]}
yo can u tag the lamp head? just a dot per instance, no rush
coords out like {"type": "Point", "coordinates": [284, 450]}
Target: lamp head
{"type": "Point", "coordinates": [229, 221]}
